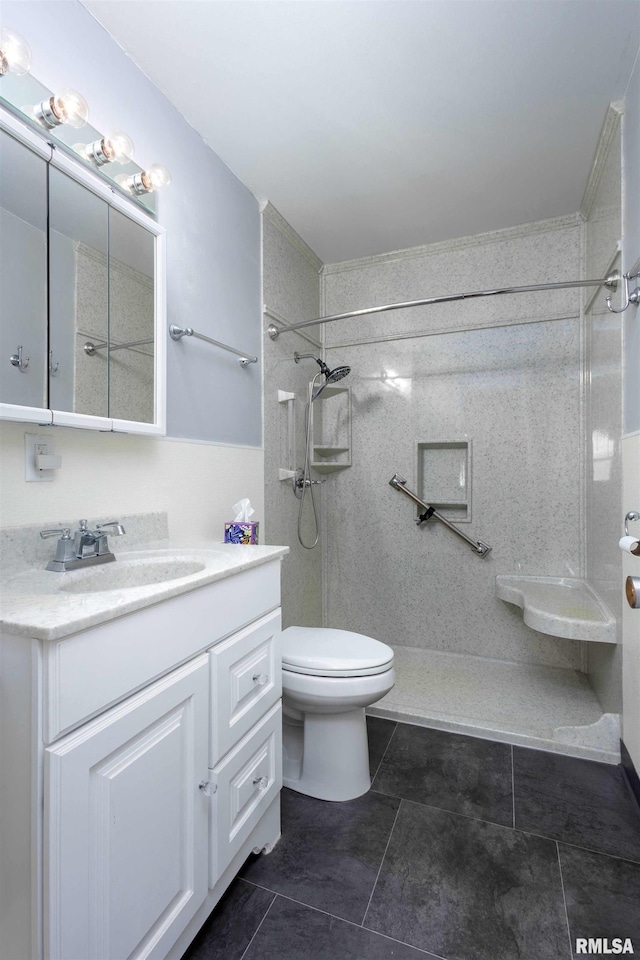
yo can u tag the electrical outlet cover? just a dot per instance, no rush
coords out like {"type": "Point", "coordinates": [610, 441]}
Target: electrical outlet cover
{"type": "Point", "coordinates": [34, 445]}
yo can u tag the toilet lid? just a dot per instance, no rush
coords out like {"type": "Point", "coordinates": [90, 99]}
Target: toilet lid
{"type": "Point", "coordinates": [336, 653]}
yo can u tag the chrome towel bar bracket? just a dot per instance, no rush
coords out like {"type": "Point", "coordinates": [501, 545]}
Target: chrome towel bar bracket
{"type": "Point", "coordinates": [399, 483]}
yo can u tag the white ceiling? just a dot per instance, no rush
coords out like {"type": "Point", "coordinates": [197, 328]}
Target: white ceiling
{"type": "Point", "coordinates": [374, 125]}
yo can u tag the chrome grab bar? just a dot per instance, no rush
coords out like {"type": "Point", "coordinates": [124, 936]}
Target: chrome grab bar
{"type": "Point", "coordinates": [398, 482]}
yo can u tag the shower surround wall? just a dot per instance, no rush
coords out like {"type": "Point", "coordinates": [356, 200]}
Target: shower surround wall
{"type": "Point", "coordinates": [514, 392]}
{"type": "Point", "coordinates": [602, 209]}
{"type": "Point", "coordinates": [291, 291]}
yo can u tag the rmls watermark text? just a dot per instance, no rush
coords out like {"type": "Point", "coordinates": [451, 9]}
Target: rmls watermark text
{"type": "Point", "coordinates": [600, 946]}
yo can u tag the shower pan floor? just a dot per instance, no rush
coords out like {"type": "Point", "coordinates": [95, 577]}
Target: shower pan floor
{"type": "Point", "coordinates": [545, 707]}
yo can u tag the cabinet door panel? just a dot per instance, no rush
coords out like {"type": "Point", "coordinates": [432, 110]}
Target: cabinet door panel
{"type": "Point", "coordinates": [125, 821]}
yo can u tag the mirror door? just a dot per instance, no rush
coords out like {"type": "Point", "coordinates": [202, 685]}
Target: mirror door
{"type": "Point", "coordinates": [23, 275]}
{"type": "Point", "coordinates": [79, 297]}
{"type": "Point", "coordinates": [82, 306]}
{"type": "Point", "coordinates": [131, 319]}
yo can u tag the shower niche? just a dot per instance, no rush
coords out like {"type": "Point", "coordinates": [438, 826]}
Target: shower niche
{"type": "Point", "coordinates": [331, 429]}
{"type": "Point", "coordinates": [443, 474]}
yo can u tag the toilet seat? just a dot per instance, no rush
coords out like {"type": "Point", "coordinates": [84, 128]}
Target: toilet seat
{"type": "Point", "coordinates": [325, 652]}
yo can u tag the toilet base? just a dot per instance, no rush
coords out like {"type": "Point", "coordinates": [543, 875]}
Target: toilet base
{"type": "Point", "coordinates": [327, 755]}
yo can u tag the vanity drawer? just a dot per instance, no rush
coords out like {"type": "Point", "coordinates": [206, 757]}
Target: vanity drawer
{"type": "Point", "coordinates": [90, 671]}
{"type": "Point", "coordinates": [245, 782]}
{"type": "Point", "coordinates": [246, 680]}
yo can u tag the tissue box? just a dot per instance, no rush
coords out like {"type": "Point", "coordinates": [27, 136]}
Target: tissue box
{"type": "Point", "coordinates": [241, 532]}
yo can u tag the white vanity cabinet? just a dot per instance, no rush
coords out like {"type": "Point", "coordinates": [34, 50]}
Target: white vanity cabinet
{"type": "Point", "coordinates": [125, 823]}
{"type": "Point", "coordinates": [155, 768]}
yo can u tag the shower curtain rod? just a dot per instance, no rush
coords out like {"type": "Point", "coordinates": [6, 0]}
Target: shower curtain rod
{"type": "Point", "coordinates": [611, 282]}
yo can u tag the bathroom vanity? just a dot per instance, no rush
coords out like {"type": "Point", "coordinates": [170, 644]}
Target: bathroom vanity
{"type": "Point", "coordinates": [140, 747]}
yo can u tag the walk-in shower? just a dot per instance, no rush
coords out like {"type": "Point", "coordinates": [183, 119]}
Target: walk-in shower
{"type": "Point", "coordinates": [302, 481]}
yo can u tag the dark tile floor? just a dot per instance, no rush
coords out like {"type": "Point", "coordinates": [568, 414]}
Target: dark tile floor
{"type": "Point", "coordinates": [464, 849]}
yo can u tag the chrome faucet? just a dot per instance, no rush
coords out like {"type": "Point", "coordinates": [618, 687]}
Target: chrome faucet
{"type": "Point", "coordinates": [85, 549]}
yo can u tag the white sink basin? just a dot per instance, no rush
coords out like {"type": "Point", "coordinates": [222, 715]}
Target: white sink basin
{"type": "Point", "coordinates": [128, 573]}
{"type": "Point", "coordinates": [142, 569]}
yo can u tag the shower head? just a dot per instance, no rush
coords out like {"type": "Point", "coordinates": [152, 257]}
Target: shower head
{"type": "Point", "coordinates": [331, 376]}
{"type": "Point", "coordinates": [337, 374]}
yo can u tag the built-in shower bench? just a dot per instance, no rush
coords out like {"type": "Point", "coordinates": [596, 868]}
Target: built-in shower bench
{"type": "Point", "coordinates": [560, 606]}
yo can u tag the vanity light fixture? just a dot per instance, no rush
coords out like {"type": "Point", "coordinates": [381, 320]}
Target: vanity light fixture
{"type": "Point", "coordinates": [68, 106]}
{"type": "Point", "coordinates": [15, 54]}
{"type": "Point", "coordinates": [147, 181]}
{"type": "Point", "coordinates": [117, 147]}
{"type": "Point", "coordinates": [68, 109]}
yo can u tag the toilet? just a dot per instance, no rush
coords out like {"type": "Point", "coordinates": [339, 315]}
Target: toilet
{"type": "Point", "coordinates": [328, 678]}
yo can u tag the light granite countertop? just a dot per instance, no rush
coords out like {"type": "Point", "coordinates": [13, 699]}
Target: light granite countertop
{"type": "Point", "coordinates": [38, 603]}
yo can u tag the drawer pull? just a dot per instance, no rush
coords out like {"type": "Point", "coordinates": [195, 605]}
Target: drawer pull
{"type": "Point", "coordinates": [261, 678]}
{"type": "Point", "coordinates": [261, 782]}
{"type": "Point", "coordinates": [208, 787]}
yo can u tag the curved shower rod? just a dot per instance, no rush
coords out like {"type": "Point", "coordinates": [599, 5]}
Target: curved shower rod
{"type": "Point", "coordinates": [611, 282]}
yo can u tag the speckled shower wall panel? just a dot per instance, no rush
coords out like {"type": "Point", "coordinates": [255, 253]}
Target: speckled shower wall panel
{"type": "Point", "coordinates": [512, 392]}
{"type": "Point", "coordinates": [601, 209]}
{"type": "Point", "coordinates": [290, 293]}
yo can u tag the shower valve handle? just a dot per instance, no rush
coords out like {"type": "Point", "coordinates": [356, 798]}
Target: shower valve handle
{"type": "Point", "coordinates": [301, 482]}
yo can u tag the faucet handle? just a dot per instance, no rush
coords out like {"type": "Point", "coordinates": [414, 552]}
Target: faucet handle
{"type": "Point", "coordinates": [64, 534]}
{"type": "Point", "coordinates": [117, 531]}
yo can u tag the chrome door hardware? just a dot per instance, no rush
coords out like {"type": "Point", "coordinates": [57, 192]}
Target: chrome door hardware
{"type": "Point", "coordinates": [17, 360]}
{"type": "Point", "coordinates": [630, 296]}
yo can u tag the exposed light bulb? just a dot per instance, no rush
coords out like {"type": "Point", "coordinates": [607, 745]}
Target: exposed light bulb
{"type": "Point", "coordinates": [117, 147]}
{"type": "Point", "coordinates": [153, 178]}
{"type": "Point", "coordinates": [68, 107]}
{"type": "Point", "coordinates": [15, 55]}
{"type": "Point", "coordinates": [156, 177]}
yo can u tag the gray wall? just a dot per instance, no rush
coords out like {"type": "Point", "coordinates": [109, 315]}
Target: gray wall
{"type": "Point", "coordinates": [212, 220]}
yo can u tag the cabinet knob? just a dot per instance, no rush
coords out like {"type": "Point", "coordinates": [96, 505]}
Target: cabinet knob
{"type": "Point", "coordinates": [261, 782]}
{"type": "Point", "coordinates": [261, 678]}
{"type": "Point", "coordinates": [208, 787]}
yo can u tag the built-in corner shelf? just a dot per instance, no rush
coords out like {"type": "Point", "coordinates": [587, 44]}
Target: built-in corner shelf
{"type": "Point", "coordinates": [560, 606]}
{"type": "Point", "coordinates": [329, 451]}
{"type": "Point", "coordinates": [331, 430]}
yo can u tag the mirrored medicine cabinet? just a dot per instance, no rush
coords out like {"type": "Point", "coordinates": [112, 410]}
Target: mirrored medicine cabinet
{"type": "Point", "coordinates": [82, 303]}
